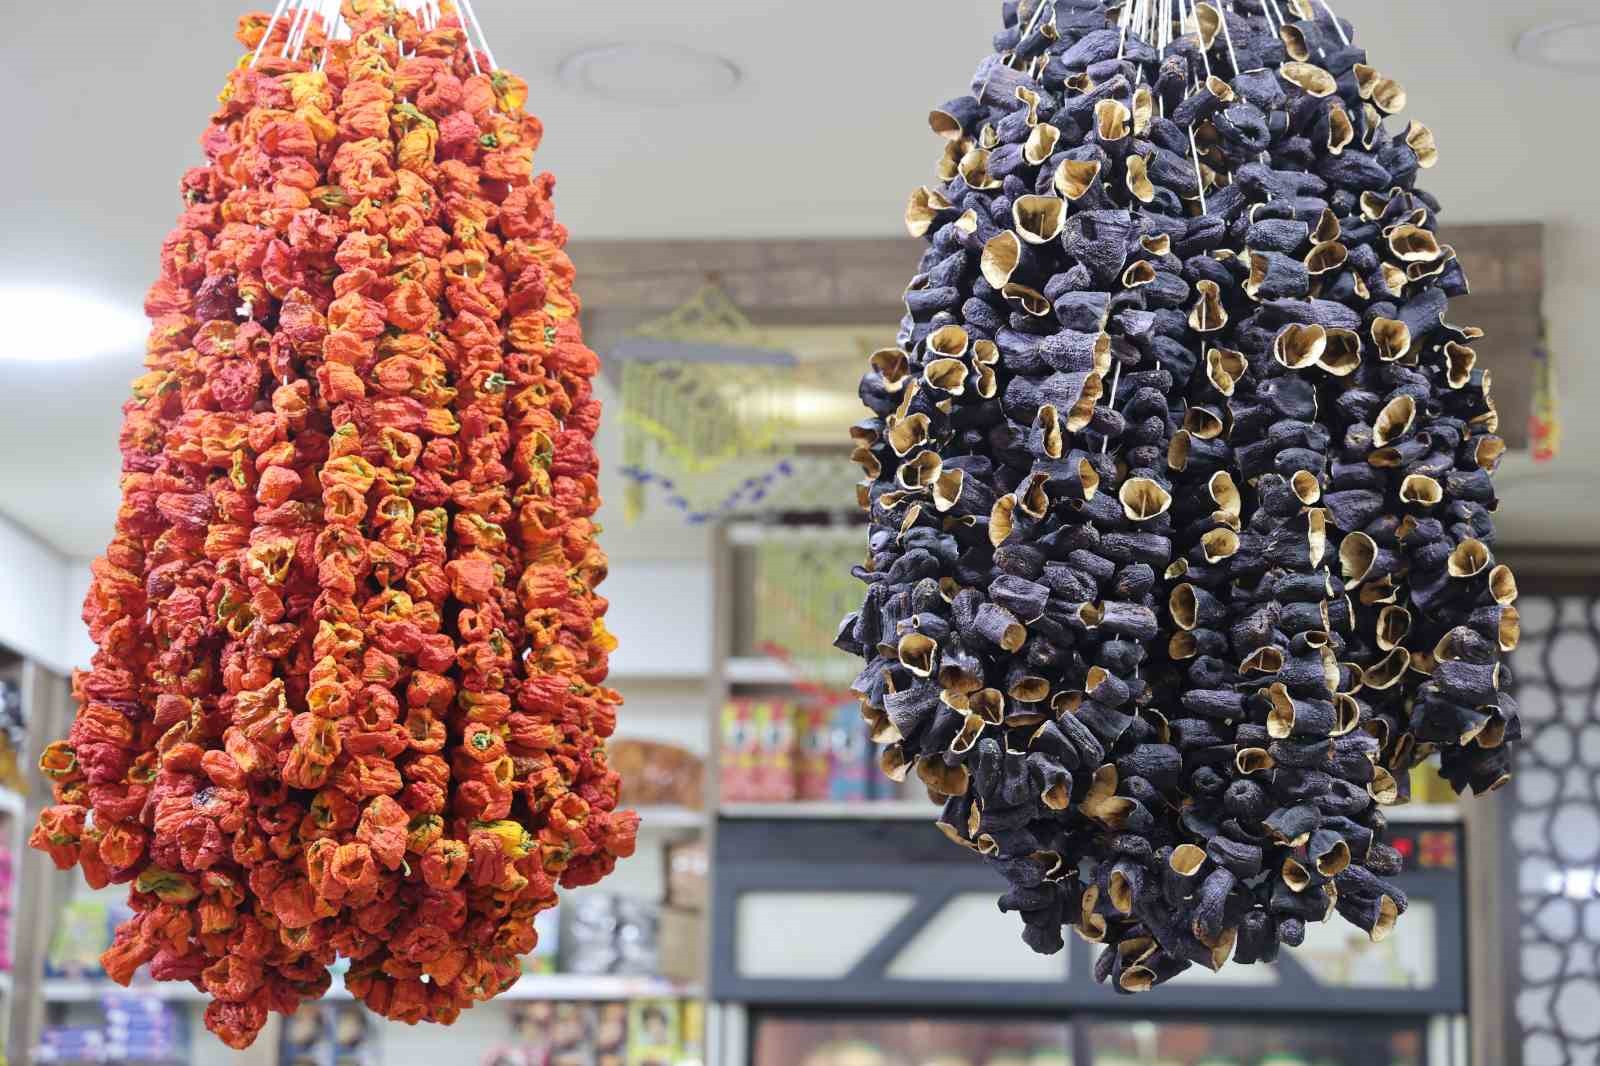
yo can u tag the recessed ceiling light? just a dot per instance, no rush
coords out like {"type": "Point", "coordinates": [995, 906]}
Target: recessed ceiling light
{"type": "Point", "coordinates": [649, 73]}
{"type": "Point", "coordinates": [1571, 45]}
{"type": "Point", "coordinates": [51, 325]}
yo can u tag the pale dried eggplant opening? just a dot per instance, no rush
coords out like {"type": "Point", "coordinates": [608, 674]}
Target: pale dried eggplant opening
{"type": "Point", "coordinates": [1074, 178]}
{"type": "Point", "coordinates": [1294, 43]}
{"type": "Point", "coordinates": [1342, 357]}
{"type": "Point", "coordinates": [1219, 544]}
{"type": "Point", "coordinates": [1039, 219]}
{"type": "Point", "coordinates": [974, 170]}
{"type": "Point", "coordinates": [1298, 347]}
{"type": "Point", "coordinates": [1138, 275]}
{"type": "Point", "coordinates": [1225, 494]}
{"type": "Point", "coordinates": [1387, 672]}
{"type": "Point", "coordinates": [1204, 423]}
{"type": "Point", "coordinates": [1388, 913]}
{"type": "Point", "coordinates": [1421, 141]}
{"type": "Point", "coordinates": [1459, 362]}
{"type": "Point", "coordinates": [1111, 120]}
{"type": "Point", "coordinates": [946, 375]}
{"type": "Point", "coordinates": [1031, 300]}
{"type": "Point", "coordinates": [1048, 423]}
{"type": "Point", "coordinates": [1307, 489]}
{"type": "Point", "coordinates": [1326, 257]}
{"type": "Point", "coordinates": [1138, 180]}
{"type": "Point", "coordinates": [922, 208]}
{"type": "Point", "coordinates": [1422, 490]}
{"type": "Point", "coordinates": [1143, 499]}
{"type": "Point", "coordinates": [1503, 585]}
{"type": "Point", "coordinates": [1183, 604]}
{"type": "Point", "coordinates": [948, 341]}
{"type": "Point", "coordinates": [1041, 144]}
{"type": "Point", "coordinates": [1208, 315]}
{"type": "Point", "coordinates": [1392, 338]}
{"type": "Point", "coordinates": [1253, 760]}
{"type": "Point", "coordinates": [917, 653]}
{"type": "Point", "coordinates": [1394, 421]}
{"type": "Point", "coordinates": [1413, 244]}
{"type": "Point", "coordinates": [1341, 131]}
{"type": "Point", "coordinates": [1224, 368]}
{"type": "Point", "coordinates": [1001, 256]}
{"type": "Point", "coordinates": [1469, 558]}
{"type": "Point", "coordinates": [1394, 623]}
{"type": "Point", "coordinates": [909, 432]}
{"type": "Point", "coordinates": [1267, 660]}
{"type": "Point", "coordinates": [1310, 77]}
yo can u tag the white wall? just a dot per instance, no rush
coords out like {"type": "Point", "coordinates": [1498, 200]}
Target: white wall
{"type": "Point", "coordinates": [39, 603]}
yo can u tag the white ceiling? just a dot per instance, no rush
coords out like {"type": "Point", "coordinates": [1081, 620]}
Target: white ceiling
{"type": "Point", "coordinates": [823, 139]}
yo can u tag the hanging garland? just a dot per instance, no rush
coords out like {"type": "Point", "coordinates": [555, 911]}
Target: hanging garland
{"type": "Point", "coordinates": [348, 698]}
{"type": "Point", "coordinates": [1179, 481]}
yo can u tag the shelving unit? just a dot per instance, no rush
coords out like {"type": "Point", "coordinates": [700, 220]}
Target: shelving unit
{"type": "Point", "coordinates": [565, 987]}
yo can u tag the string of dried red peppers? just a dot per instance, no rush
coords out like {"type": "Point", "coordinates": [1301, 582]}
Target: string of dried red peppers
{"type": "Point", "coordinates": [348, 695]}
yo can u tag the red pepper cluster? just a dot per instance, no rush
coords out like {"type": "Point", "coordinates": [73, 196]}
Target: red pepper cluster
{"type": "Point", "coordinates": [348, 698]}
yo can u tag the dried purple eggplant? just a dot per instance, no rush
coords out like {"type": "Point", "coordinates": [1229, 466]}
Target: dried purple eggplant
{"type": "Point", "coordinates": [1180, 486]}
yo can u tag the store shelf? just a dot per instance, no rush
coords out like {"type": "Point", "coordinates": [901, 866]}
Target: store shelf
{"type": "Point", "coordinates": [757, 670]}
{"type": "Point", "coordinates": [918, 810]}
{"type": "Point", "coordinates": [907, 810]}
{"type": "Point", "coordinates": [531, 987]}
{"type": "Point", "coordinates": [1424, 812]}
{"type": "Point", "coordinates": [662, 819]}
{"type": "Point", "coordinates": [599, 987]}
{"type": "Point", "coordinates": [13, 803]}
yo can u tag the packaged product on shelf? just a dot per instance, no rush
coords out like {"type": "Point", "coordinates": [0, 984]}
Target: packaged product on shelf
{"type": "Point", "coordinates": [13, 737]}
{"type": "Point", "coordinates": [611, 1034]}
{"type": "Point", "coordinates": [83, 931]}
{"type": "Point", "coordinates": [757, 753]}
{"type": "Point", "coordinates": [687, 864]}
{"type": "Point", "coordinates": [682, 944]}
{"type": "Point", "coordinates": [775, 752]}
{"type": "Point", "coordinates": [693, 1052]}
{"type": "Point", "coordinates": [657, 774]}
{"type": "Point", "coordinates": [736, 752]}
{"type": "Point", "coordinates": [612, 935]}
{"type": "Point", "coordinates": [548, 1034]}
{"type": "Point", "coordinates": [655, 1032]}
{"type": "Point", "coordinates": [851, 759]}
{"type": "Point", "coordinates": [812, 767]}
{"type": "Point", "coordinates": [324, 1034]}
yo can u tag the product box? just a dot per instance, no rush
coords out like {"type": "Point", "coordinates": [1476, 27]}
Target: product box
{"type": "Point", "coordinates": [736, 753]}
{"type": "Point", "coordinates": [851, 772]}
{"type": "Point", "coordinates": [687, 874]}
{"type": "Point", "coordinates": [813, 767]}
{"type": "Point", "coordinates": [775, 752]}
{"type": "Point", "coordinates": [611, 1033]}
{"type": "Point", "coordinates": [655, 1032]}
{"type": "Point", "coordinates": [683, 944]}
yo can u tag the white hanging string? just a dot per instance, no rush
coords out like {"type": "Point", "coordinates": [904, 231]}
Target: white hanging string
{"type": "Point", "coordinates": [472, 19]}
{"type": "Point", "coordinates": [277, 13]}
{"type": "Point", "coordinates": [1222, 13]}
{"type": "Point", "coordinates": [1033, 24]}
{"type": "Point", "coordinates": [1337, 25]}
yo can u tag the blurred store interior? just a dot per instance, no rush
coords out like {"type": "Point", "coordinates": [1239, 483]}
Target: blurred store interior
{"type": "Point", "coordinates": [734, 177]}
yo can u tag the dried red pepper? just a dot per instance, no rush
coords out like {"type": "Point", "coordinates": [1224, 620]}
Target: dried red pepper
{"type": "Point", "coordinates": [345, 698]}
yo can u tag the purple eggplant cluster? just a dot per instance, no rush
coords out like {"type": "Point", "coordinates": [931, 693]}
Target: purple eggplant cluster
{"type": "Point", "coordinates": [1181, 552]}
